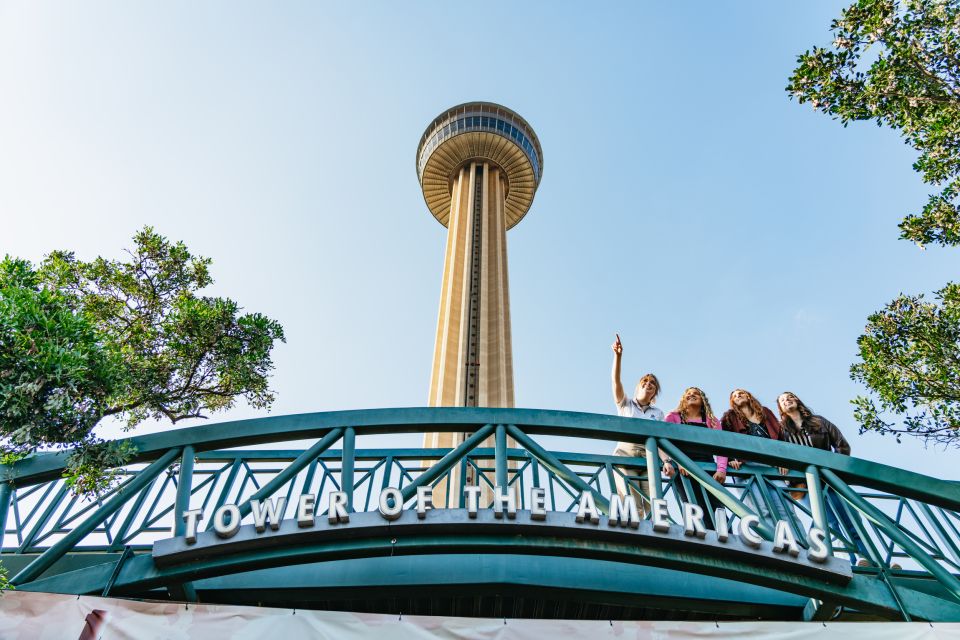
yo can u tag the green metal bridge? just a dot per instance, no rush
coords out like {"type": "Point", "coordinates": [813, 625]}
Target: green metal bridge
{"type": "Point", "coordinates": [451, 565]}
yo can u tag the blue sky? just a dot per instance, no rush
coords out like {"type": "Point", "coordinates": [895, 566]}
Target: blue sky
{"type": "Point", "coordinates": [732, 237]}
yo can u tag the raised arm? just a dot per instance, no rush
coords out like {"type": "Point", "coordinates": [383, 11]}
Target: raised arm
{"type": "Point", "coordinates": [618, 394]}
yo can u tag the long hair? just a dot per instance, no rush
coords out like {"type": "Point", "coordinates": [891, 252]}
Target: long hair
{"type": "Point", "coordinates": [755, 406]}
{"type": "Point", "coordinates": [705, 411]}
{"type": "Point", "coordinates": [805, 411]}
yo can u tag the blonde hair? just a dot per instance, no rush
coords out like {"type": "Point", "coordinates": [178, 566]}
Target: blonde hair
{"type": "Point", "coordinates": [652, 378]}
{"type": "Point", "coordinates": [706, 413]}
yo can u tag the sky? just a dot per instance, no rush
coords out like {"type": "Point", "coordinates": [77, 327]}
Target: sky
{"type": "Point", "coordinates": [731, 236]}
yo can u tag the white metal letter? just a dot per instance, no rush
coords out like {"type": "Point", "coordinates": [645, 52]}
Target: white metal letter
{"type": "Point", "coordinates": [264, 510]}
{"type": "Point", "coordinates": [784, 540]}
{"type": "Point", "coordinates": [305, 510]}
{"type": "Point", "coordinates": [503, 496]}
{"type": "Point", "coordinates": [424, 501]}
{"type": "Point", "coordinates": [624, 512]}
{"type": "Point", "coordinates": [722, 524]}
{"type": "Point", "coordinates": [818, 551]}
{"type": "Point", "coordinates": [538, 498]}
{"type": "Point", "coordinates": [660, 515]}
{"type": "Point", "coordinates": [587, 509]}
{"type": "Point", "coordinates": [693, 520]}
{"type": "Point", "coordinates": [192, 517]}
{"type": "Point", "coordinates": [473, 495]}
{"type": "Point", "coordinates": [224, 526]}
{"type": "Point", "coordinates": [337, 511]}
{"type": "Point", "coordinates": [388, 512]}
{"type": "Point", "coordinates": [748, 536]}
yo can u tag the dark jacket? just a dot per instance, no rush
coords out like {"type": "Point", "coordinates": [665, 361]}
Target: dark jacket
{"type": "Point", "coordinates": [732, 421]}
{"type": "Point", "coordinates": [817, 432]}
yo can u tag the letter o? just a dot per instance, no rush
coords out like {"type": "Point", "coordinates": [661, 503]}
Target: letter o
{"type": "Point", "coordinates": [223, 528]}
{"type": "Point", "coordinates": [388, 512]}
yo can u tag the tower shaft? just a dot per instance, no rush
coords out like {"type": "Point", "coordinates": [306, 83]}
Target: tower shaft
{"type": "Point", "coordinates": [472, 357]}
{"type": "Point", "coordinates": [479, 165]}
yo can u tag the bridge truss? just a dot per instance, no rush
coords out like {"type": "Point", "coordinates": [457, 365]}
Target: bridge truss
{"type": "Point", "coordinates": [909, 523]}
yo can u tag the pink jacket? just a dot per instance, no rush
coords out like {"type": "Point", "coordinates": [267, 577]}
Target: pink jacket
{"type": "Point", "coordinates": [713, 423]}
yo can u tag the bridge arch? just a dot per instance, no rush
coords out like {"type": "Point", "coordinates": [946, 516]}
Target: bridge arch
{"type": "Point", "coordinates": [110, 546]}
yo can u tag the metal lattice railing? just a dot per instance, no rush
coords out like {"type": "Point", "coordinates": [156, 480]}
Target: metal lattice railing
{"type": "Point", "coordinates": [900, 523]}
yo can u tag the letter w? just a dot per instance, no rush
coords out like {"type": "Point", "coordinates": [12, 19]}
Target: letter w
{"type": "Point", "coordinates": [263, 510]}
{"type": "Point", "coordinates": [624, 511]}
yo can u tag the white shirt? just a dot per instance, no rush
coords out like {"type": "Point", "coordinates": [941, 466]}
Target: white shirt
{"type": "Point", "coordinates": [628, 408]}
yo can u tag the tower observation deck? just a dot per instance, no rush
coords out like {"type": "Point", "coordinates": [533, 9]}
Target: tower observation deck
{"type": "Point", "coordinates": [479, 165]}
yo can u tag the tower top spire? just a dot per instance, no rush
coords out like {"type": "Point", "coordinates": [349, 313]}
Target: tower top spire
{"type": "Point", "coordinates": [482, 131]}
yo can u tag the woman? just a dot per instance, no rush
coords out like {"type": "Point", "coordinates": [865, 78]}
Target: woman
{"type": "Point", "coordinates": [747, 415]}
{"type": "Point", "coordinates": [694, 409]}
{"type": "Point", "coordinates": [801, 426]}
{"type": "Point", "coordinates": [640, 406]}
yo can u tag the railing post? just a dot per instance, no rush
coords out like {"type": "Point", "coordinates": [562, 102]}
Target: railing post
{"type": "Point", "coordinates": [6, 489]}
{"type": "Point", "coordinates": [653, 469]}
{"type": "Point", "coordinates": [818, 508]}
{"type": "Point", "coordinates": [184, 485]}
{"type": "Point", "coordinates": [33, 570]}
{"type": "Point", "coordinates": [347, 465]}
{"type": "Point", "coordinates": [500, 456]}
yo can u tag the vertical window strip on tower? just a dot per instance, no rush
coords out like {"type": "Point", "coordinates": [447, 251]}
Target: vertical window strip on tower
{"type": "Point", "coordinates": [471, 395]}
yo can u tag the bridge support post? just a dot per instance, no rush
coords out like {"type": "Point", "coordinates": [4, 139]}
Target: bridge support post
{"type": "Point", "coordinates": [817, 506]}
{"type": "Point", "coordinates": [6, 489]}
{"type": "Point", "coordinates": [184, 485]}
{"type": "Point", "coordinates": [347, 464]}
{"type": "Point", "coordinates": [183, 591]}
{"type": "Point", "coordinates": [500, 456]}
{"type": "Point", "coordinates": [653, 470]}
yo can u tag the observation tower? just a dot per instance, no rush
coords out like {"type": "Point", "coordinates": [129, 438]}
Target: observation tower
{"type": "Point", "coordinates": [479, 165]}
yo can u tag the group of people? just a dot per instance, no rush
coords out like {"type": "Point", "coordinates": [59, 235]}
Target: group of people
{"type": "Point", "coordinates": [796, 424]}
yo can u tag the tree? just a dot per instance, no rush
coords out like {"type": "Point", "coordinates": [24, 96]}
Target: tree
{"type": "Point", "coordinates": [898, 64]}
{"type": "Point", "coordinates": [82, 341]}
{"type": "Point", "coordinates": [910, 359]}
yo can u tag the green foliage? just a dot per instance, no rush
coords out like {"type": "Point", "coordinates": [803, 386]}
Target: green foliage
{"type": "Point", "coordinates": [910, 360]}
{"type": "Point", "coordinates": [80, 341]}
{"type": "Point", "coordinates": [93, 469]}
{"type": "Point", "coordinates": [56, 373]}
{"type": "Point", "coordinates": [898, 63]}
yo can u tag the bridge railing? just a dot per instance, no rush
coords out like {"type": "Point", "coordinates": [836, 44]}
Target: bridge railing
{"type": "Point", "coordinates": [901, 523]}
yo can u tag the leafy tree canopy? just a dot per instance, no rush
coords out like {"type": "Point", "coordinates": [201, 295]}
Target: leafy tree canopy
{"type": "Point", "coordinates": [910, 359]}
{"type": "Point", "coordinates": [81, 341]}
{"type": "Point", "coordinates": [898, 63]}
